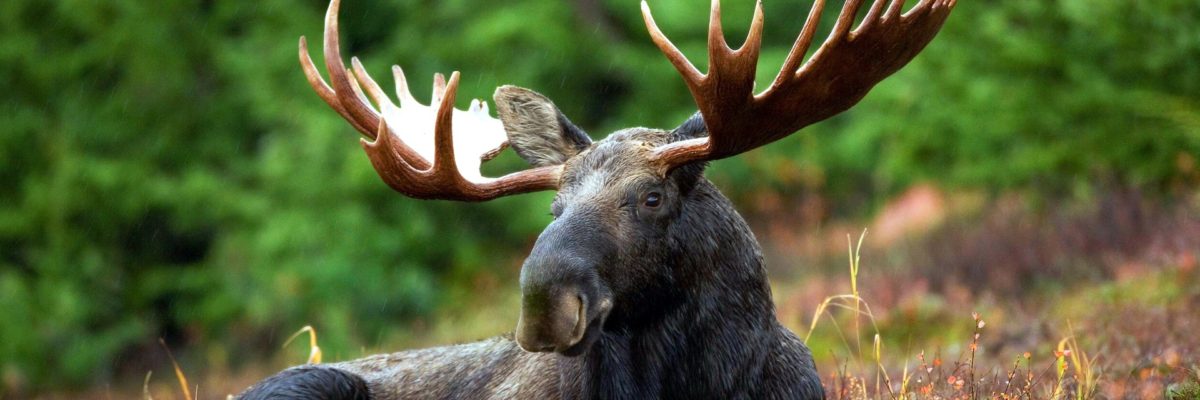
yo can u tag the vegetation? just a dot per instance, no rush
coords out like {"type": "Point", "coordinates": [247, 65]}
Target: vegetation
{"type": "Point", "coordinates": [168, 173]}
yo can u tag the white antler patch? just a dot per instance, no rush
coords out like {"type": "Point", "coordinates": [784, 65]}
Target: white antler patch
{"type": "Point", "coordinates": [478, 133]}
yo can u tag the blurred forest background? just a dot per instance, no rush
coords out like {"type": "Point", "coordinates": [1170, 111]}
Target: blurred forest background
{"type": "Point", "coordinates": [168, 173]}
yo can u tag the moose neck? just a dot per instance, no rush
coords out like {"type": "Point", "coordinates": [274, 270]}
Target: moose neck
{"type": "Point", "coordinates": [717, 317]}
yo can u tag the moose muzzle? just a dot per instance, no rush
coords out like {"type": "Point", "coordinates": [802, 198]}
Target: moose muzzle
{"type": "Point", "coordinates": [566, 321]}
{"type": "Point", "coordinates": [563, 301]}
{"type": "Point", "coordinates": [552, 322]}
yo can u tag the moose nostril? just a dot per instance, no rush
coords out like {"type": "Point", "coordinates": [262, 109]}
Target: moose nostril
{"type": "Point", "coordinates": [552, 324]}
{"type": "Point", "coordinates": [580, 322]}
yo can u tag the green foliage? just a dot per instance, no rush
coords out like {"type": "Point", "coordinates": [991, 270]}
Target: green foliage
{"type": "Point", "coordinates": [168, 173]}
{"type": "Point", "coordinates": [1036, 94]}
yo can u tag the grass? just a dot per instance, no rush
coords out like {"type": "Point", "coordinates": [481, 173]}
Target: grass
{"type": "Point", "coordinates": [184, 388]}
{"type": "Point", "coordinates": [1119, 339]}
{"type": "Point", "coordinates": [1073, 371]}
{"type": "Point", "coordinates": [1071, 367]}
{"type": "Point", "coordinates": [869, 352]}
{"type": "Point", "coordinates": [314, 351]}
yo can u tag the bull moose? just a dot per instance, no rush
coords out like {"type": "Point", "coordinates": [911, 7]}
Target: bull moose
{"type": "Point", "coordinates": [647, 284]}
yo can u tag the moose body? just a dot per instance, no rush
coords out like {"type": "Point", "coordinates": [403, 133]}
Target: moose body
{"type": "Point", "coordinates": [647, 284]}
{"type": "Point", "coordinates": [700, 324]}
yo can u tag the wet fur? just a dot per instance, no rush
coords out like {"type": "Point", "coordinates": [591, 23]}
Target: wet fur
{"type": "Point", "coordinates": [692, 316]}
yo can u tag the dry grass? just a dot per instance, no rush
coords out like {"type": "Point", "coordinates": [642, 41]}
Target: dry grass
{"type": "Point", "coordinates": [1103, 294]}
{"type": "Point", "coordinates": [1138, 341]}
{"type": "Point", "coordinates": [1070, 374]}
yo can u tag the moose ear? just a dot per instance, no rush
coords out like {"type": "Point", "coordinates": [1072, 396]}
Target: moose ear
{"type": "Point", "coordinates": [692, 128]}
{"type": "Point", "coordinates": [537, 130]}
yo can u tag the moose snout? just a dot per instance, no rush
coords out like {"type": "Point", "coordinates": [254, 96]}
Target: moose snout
{"type": "Point", "coordinates": [564, 302]}
{"type": "Point", "coordinates": [553, 322]}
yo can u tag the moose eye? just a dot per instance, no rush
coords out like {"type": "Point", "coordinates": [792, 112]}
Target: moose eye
{"type": "Point", "coordinates": [654, 199]}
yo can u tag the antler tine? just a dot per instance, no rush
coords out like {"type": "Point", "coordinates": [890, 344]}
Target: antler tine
{"type": "Point", "coordinates": [716, 35]}
{"type": "Point", "coordinates": [358, 90]}
{"type": "Point", "coordinates": [691, 75]}
{"type": "Point", "coordinates": [403, 95]}
{"type": "Point", "coordinates": [723, 59]}
{"type": "Point", "coordinates": [443, 147]}
{"type": "Point", "coordinates": [338, 75]}
{"type": "Point", "coordinates": [323, 90]}
{"type": "Point", "coordinates": [873, 15]}
{"type": "Point", "coordinates": [372, 88]}
{"type": "Point", "coordinates": [894, 10]}
{"type": "Point", "coordinates": [845, 21]}
{"type": "Point", "coordinates": [753, 43]}
{"type": "Point", "coordinates": [791, 65]}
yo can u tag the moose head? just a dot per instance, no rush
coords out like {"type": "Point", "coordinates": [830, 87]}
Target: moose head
{"type": "Point", "coordinates": [644, 255]}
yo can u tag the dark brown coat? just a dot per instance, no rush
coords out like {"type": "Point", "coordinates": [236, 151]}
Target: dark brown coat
{"type": "Point", "coordinates": [690, 313]}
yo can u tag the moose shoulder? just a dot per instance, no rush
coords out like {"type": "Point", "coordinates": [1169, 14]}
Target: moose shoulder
{"type": "Point", "coordinates": [647, 284]}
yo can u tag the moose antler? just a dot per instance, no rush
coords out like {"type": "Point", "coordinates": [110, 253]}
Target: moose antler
{"type": "Point", "coordinates": [836, 77]}
{"type": "Point", "coordinates": [440, 166]}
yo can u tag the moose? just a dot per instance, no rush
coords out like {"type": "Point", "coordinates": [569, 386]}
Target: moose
{"type": "Point", "coordinates": [647, 284]}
